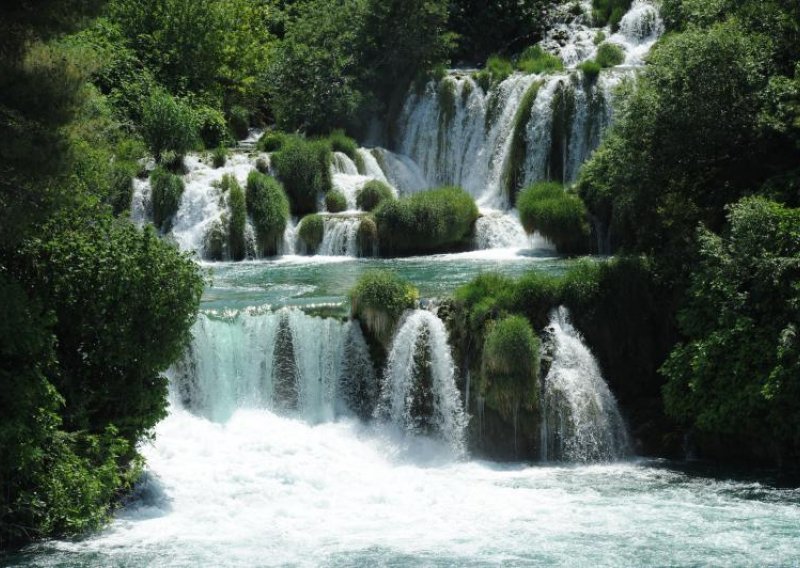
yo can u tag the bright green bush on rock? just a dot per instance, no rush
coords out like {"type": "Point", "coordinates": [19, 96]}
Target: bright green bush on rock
{"type": "Point", "coordinates": [340, 142]}
{"type": "Point", "coordinates": [558, 215]}
{"type": "Point", "coordinates": [591, 69]}
{"type": "Point", "coordinates": [378, 300]}
{"type": "Point", "coordinates": [166, 191]}
{"type": "Point", "coordinates": [335, 201]}
{"type": "Point", "coordinates": [496, 70]}
{"type": "Point", "coordinates": [269, 210]}
{"type": "Point", "coordinates": [374, 192]}
{"type": "Point", "coordinates": [167, 125]}
{"type": "Point", "coordinates": [609, 55]}
{"type": "Point", "coordinates": [436, 220]}
{"type": "Point", "coordinates": [303, 166]}
{"type": "Point", "coordinates": [311, 231]}
{"type": "Point", "coordinates": [271, 141]}
{"type": "Point", "coordinates": [238, 219]}
{"type": "Point", "coordinates": [219, 156]}
{"type": "Point", "coordinates": [537, 60]}
{"type": "Point", "coordinates": [609, 12]}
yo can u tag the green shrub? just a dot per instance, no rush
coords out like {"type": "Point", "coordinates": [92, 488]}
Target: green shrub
{"type": "Point", "coordinates": [239, 122]}
{"type": "Point", "coordinates": [269, 210]}
{"type": "Point", "coordinates": [609, 55]}
{"type": "Point", "coordinates": [211, 127]}
{"type": "Point", "coordinates": [436, 220]}
{"type": "Point", "coordinates": [496, 70]}
{"type": "Point", "coordinates": [374, 192]}
{"type": "Point", "coordinates": [535, 295]}
{"type": "Point", "coordinates": [367, 237]}
{"type": "Point", "coordinates": [558, 215]}
{"type": "Point", "coordinates": [166, 191]}
{"type": "Point", "coordinates": [238, 220]}
{"type": "Point", "coordinates": [311, 231]}
{"type": "Point", "coordinates": [219, 156]}
{"type": "Point", "coordinates": [271, 141]}
{"type": "Point", "coordinates": [537, 60]}
{"type": "Point", "coordinates": [599, 37]}
{"type": "Point", "coordinates": [510, 366]}
{"type": "Point", "coordinates": [340, 142]}
{"type": "Point", "coordinates": [121, 186]}
{"type": "Point", "coordinates": [167, 124]}
{"type": "Point", "coordinates": [591, 69]}
{"type": "Point", "coordinates": [335, 201]}
{"type": "Point", "coordinates": [378, 300]}
{"type": "Point", "coordinates": [304, 167]}
{"type": "Point", "coordinates": [215, 241]}
{"type": "Point", "coordinates": [609, 12]}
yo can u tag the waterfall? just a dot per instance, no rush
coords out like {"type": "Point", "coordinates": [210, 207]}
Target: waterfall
{"type": "Point", "coordinates": [497, 229]}
{"type": "Point", "coordinates": [419, 392]}
{"type": "Point", "coordinates": [289, 242]}
{"type": "Point", "coordinates": [340, 236]}
{"type": "Point", "coordinates": [285, 361]}
{"type": "Point", "coordinates": [580, 418]}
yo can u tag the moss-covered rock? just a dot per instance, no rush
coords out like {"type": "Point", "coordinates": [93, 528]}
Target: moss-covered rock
{"type": "Point", "coordinates": [438, 220]}
{"type": "Point", "coordinates": [269, 210]}
{"type": "Point", "coordinates": [311, 231]}
{"type": "Point", "coordinates": [341, 142]}
{"type": "Point", "coordinates": [335, 201]}
{"type": "Point", "coordinates": [262, 165]}
{"type": "Point", "coordinates": [558, 215]}
{"type": "Point", "coordinates": [239, 122]}
{"type": "Point", "coordinates": [378, 300]}
{"type": "Point", "coordinates": [609, 55]}
{"type": "Point", "coordinates": [238, 217]}
{"type": "Point", "coordinates": [537, 60]}
{"type": "Point", "coordinates": [271, 141]}
{"type": "Point", "coordinates": [513, 169]}
{"type": "Point", "coordinates": [215, 241]}
{"type": "Point", "coordinates": [166, 191]}
{"type": "Point", "coordinates": [219, 156]}
{"type": "Point", "coordinates": [304, 168]}
{"type": "Point", "coordinates": [591, 69]}
{"type": "Point", "coordinates": [374, 192]}
{"type": "Point", "coordinates": [367, 237]}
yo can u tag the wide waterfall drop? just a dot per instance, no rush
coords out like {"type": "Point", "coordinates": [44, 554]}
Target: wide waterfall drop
{"type": "Point", "coordinates": [498, 230]}
{"type": "Point", "coordinates": [340, 236]}
{"type": "Point", "coordinates": [580, 418]}
{"type": "Point", "coordinates": [419, 392]}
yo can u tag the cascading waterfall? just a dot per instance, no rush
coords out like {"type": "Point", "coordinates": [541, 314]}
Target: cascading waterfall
{"type": "Point", "coordinates": [340, 236]}
{"type": "Point", "coordinates": [580, 418]}
{"type": "Point", "coordinates": [495, 229]}
{"type": "Point", "coordinates": [419, 393]}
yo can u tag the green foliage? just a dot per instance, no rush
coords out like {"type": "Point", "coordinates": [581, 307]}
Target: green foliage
{"type": "Point", "coordinates": [166, 191]}
{"type": "Point", "coordinates": [609, 55]}
{"type": "Point", "coordinates": [239, 122]}
{"type": "Point", "coordinates": [340, 142]}
{"type": "Point", "coordinates": [211, 127]}
{"type": "Point", "coordinates": [609, 12]}
{"type": "Point", "coordinates": [219, 156]}
{"type": "Point", "coordinates": [335, 201]}
{"type": "Point", "coordinates": [737, 372]}
{"type": "Point", "coordinates": [215, 240]}
{"type": "Point", "coordinates": [378, 300]}
{"type": "Point", "coordinates": [304, 168]}
{"type": "Point", "coordinates": [372, 195]}
{"type": "Point", "coordinates": [591, 69]}
{"type": "Point", "coordinates": [496, 70]}
{"type": "Point", "coordinates": [311, 231]}
{"type": "Point", "coordinates": [537, 60]}
{"type": "Point", "coordinates": [513, 169]}
{"type": "Point", "coordinates": [510, 366]}
{"type": "Point", "coordinates": [558, 215]}
{"type": "Point", "coordinates": [271, 141]}
{"type": "Point", "coordinates": [599, 37]}
{"type": "Point", "coordinates": [367, 237]}
{"type": "Point", "coordinates": [430, 221]}
{"type": "Point", "coordinates": [238, 220]}
{"type": "Point", "coordinates": [167, 125]}
{"type": "Point", "coordinates": [269, 210]}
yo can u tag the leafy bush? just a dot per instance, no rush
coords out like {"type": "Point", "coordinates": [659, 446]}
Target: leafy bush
{"type": "Point", "coordinates": [436, 220]}
{"type": "Point", "coordinates": [121, 186]}
{"type": "Point", "coordinates": [378, 300]}
{"type": "Point", "coordinates": [166, 191]}
{"type": "Point", "coordinates": [558, 215]}
{"type": "Point", "coordinates": [609, 55]}
{"type": "Point", "coordinates": [219, 157]}
{"type": "Point", "coordinates": [167, 125]}
{"type": "Point", "coordinates": [269, 210]}
{"type": "Point", "coordinates": [510, 366]}
{"type": "Point", "coordinates": [238, 221]}
{"type": "Point", "coordinates": [311, 231]}
{"type": "Point", "coordinates": [304, 168]}
{"type": "Point", "coordinates": [372, 195]}
{"type": "Point", "coordinates": [271, 141]}
{"type": "Point", "coordinates": [211, 127]}
{"type": "Point", "coordinates": [367, 237]}
{"type": "Point", "coordinates": [239, 122]}
{"type": "Point", "coordinates": [609, 12]}
{"type": "Point", "coordinates": [335, 201]}
{"type": "Point", "coordinates": [340, 142]}
{"type": "Point", "coordinates": [496, 70]}
{"type": "Point", "coordinates": [591, 69]}
{"type": "Point", "coordinates": [537, 60]}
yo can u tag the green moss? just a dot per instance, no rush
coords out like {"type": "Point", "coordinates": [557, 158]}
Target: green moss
{"type": "Point", "coordinates": [311, 232]}
{"type": "Point", "coordinates": [431, 221]}
{"type": "Point", "coordinates": [496, 70]}
{"type": "Point", "coordinates": [239, 122]}
{"type": "Point", "coordinates": [558, 215]}
{"type": "Point", "coordinates": [367, 237]}
{"type": "Point", "coordinates": [372, 195]}
{"type": "Point", "coordinates": [238, 217]}
{"type": "Point", "coordinates": [466, 91]}
{"type": "Point", "coordinates": [537, 60]}
{"type": "Point", "coordinates": [340, 142]}
{"type": "Point", "coordinates": [591, 69]}
{"type": "Point", "coordinates": [303, 166]}
{"type": "Point", "coordinates": [219, 156]}
{"type": "Point", "coordinates": [599, 37]}
{"type": "Point", "coordinates": [271, 141]}
{"type": "Point", "coordinates": [215, 241]}
{"type": "Point", "coordinates": [609, 12]}
{"type": "Point", "coordinates": [563, 112]}
{"type": "Point", "coordinates": [166, 191]}
{"type": "Point", "coordinates": [447, 100]}
{"type": "Point", "coordinates": [335, 201]}
{"type": "Point", "coordinates": [211, 127]}
{"type": "Point", "coordinates": [378, 300]}
{"type": "Point", "coordinates": [609, 55]}
{"type": "Point", "coordinates": [510, 366]}
{"type": "Point", "coordinates": [513, 168]}
{"type": "Point", "coordinates": [269, 210]}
